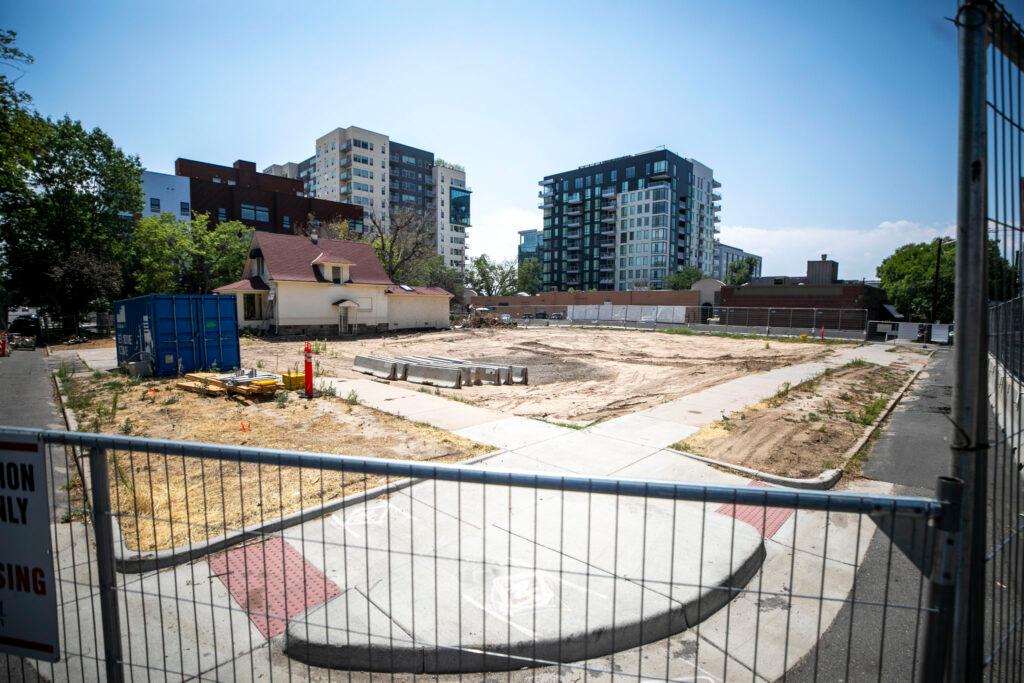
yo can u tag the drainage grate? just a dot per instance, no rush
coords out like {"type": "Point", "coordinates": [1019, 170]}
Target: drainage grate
{"type": "Point", "coordinates": [272, 582]}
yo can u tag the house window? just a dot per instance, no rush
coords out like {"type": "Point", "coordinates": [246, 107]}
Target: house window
{"type": "Point", "coordinates": [154, 204]}
{"type": "Point", "coordinates": [184, 209]}
{"type": "Point", "coordinates": [222, 214]}
{"type": "Point", "coordinates": [253, 307]}
{"type": "Point", "coordinates": [336, 274]}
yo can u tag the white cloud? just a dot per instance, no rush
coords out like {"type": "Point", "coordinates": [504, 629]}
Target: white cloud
{"type": "Point", "coordinates": [494, 231]}
{"type": "Point", "coordinates": [786, 250]}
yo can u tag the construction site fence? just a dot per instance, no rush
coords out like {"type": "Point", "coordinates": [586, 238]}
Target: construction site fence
{"type": "Point", "coordinates": [178, 560]}
{"type": "Point", "coordinates": [923, 333]}
{"type": "Point", "coordinates": [987, 397]}
{"type": "Point", "coordinates": [836, 322]}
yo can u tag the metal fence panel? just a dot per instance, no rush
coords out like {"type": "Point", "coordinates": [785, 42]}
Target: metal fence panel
{"type": "Point", "coordinates": [240, 563]}
{"type": "Point", "coordinates": [989, 250]}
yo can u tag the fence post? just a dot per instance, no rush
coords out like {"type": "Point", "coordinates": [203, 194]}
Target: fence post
{"type": "Point", "coordinates": [970, 386]}
{"type": "Point", "coordinates": [943, 582]}
{"type": "Point", "coordinates": [101, 521]}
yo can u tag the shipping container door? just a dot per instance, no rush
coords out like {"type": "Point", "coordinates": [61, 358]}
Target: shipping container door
{"type": "Point", "coordinates": [128, 315]}
{"type": "Point", "coordinates": [174, 335]}
{"type": "Point", "coordinates": [217, 319]}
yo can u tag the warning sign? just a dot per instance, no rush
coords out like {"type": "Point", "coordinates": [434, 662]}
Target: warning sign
{"type": "Point", "coordinates": [28, 596]}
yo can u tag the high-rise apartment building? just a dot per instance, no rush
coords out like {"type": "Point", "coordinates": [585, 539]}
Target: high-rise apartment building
{"type": "Point", "coordinates": [627, 223]}
{"type": "Point", "coordinates": [725, 256]}
{"type": "Point", "coordinates": [530, 242]}
{"type": "Point", "coordinates": [359, 166]}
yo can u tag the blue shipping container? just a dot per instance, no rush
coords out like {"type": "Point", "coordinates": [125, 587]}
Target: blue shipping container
{"type": "Point", "coordinates": [178, 333]}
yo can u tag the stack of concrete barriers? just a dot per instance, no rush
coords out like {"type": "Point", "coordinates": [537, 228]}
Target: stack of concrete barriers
{"type": "Point", "coordinates": [440, 371]}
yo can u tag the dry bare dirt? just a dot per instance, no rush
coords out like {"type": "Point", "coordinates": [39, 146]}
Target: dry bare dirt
{"type": "Point", "coordinates": [166, 501]}
{"type": "Point", "coordinates": [575, 374]}
{"type": "Point", "coordinates": [806, 429]}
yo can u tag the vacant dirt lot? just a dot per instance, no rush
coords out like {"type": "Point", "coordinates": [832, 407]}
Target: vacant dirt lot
{"type": "Point", "coordinates": [166, 501]}
{"type": "Point", "coordinates": [575, 374]}
{"type": "Point", "coordinates": [806, 429]}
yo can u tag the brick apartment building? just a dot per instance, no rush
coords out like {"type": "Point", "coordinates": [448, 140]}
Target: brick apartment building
{"type": "Point", "coordinates": [265, 202]}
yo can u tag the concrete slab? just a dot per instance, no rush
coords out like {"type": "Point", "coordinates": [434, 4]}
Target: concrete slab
{"type": "Point", "coordinates": [99, 359]}
{"type": "Point", "coordinates": [512, 432]}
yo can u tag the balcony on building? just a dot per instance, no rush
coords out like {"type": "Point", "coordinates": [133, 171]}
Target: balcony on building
{"type": "Point", "coordinates": [609, 206]}
{"type": "Point", "coordinates": [546, 204]}
{"type": "Point", "coordinates": [345, 189]}
{"type": "Point", "coordinates": [574, 198]}
{"type": "Point", "coordinates": [574, 211]}
{"type": "Point", "coordinates": [716, 207]}
{"type": "Point", "coordinates": [611, 218]}
{"type": "Point", "coordinates": [716, 196]}
{"type": "Point", "coordinates": [546, 181]}
{"type": "Point", "coordinates": [573, 223]}
{"type": "Point", "coordinates": [715, 184]}
{"type": "Point", "coordinates": [571, 233]}
{"type": "Point", "coordinates": [574, 246]}
{"type": "Point", "coordinates": [344, 161]}
{"type": "Point", "coordinates": [344, 175]}
{"type": "Point", "coordinates": [717, 219]}
{"type": "Point", "coordinates": [608, 192]}
{"type": "Point", "coordinates": [546, 192]}
{"type": "Point", "coordinates": [345, 146]}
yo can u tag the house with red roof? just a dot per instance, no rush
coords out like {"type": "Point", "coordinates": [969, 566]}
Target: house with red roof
{"type": "Point", "coordinates": [292, 284]}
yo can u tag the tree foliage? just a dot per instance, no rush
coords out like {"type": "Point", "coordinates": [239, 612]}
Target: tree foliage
{"type": "Point", "coordinates": [685, 278]}
{"type": "Point", "coordinates": [187, 257]}
{"type": "Point", "coordinates": [529, 278]}
{"type": "Point", "coordinates": [741, 271]}
{"type": "Point", "coordinates": [908, 278]}
{"type": "Point", "coordinates": [65, 193]}
{"type": "Point", "coordinates": [491, 278]}
{"type": "Point", "coordinates": [404, 245]}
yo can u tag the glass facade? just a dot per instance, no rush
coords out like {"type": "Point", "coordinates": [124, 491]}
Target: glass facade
{"type": "Point", "coordinates": [460, 205]}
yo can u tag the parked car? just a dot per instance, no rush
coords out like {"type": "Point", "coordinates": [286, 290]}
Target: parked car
{"type": "Point", "coordinates": [527, 316]}
{"type": "Point", "coordinates": [557, 316]}
{"type": "Point", "coordinates": [505, 318]}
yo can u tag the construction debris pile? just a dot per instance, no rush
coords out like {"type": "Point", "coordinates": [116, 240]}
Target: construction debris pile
{"type": "Point", "coordinates": [249, 383]}
{"type": "Point", "coordinates": [439, 371]}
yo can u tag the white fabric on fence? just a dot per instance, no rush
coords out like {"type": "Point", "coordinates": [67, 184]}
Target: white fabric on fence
{"type": "Point", "coordinates": [909, 331]}
{"type": "Point", "coordinates": [940, 334]}
{"type": "Point", "coordinates": [619, 313]}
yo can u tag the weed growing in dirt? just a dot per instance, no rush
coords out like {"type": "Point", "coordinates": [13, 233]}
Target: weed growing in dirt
{"type": "Point", "coordinates": [353, 398]}
{"type": "Point", "coordinates": [281, 398]}
{"type": "Point", "coordinates": [259, 364]}
{"type": "Point", "coordinates": [858, 363]}
{"type": "Point", "coordinates": [170, 400]}
{"type": "Point", "coordinates": [735, 335]}
{"type": "Point", "coordinates": [97, 374]}
{"type": "Point", "coordinates": [64, 372]}
{"type": "Point", "coordinates": [127, 427]}
{"type": "Point", "coordinates": [780, 395]}
{"type": "Point", "coordinates": [326, 389]}
{"type": "Point", "coordinates": [567, 425]}
{"type": "Point", "coordinates": [869, 413]}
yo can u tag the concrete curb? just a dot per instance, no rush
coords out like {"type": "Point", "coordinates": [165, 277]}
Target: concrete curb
{"type": "Point", "coordinates": [825, 480]}
{"type": "Point", "coordinates": [828, 478]}
{"type": "Point", "coordinates": [130, 561]}
{"type": "Point", "coordinates": [870, 429]}
{"type": "Point", "coordinates": [313, 645]}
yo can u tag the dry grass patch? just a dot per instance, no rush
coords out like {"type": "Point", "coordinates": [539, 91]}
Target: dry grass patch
{"type": "Point", "coordinates": [165, 500]}
{"type": "Point", "coordinates": [805, 429]}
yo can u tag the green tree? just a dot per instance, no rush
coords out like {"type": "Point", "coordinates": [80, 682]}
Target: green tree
{"type": "Point", "coordinates": [490, 278]}
{"type": "Point", "coordinates": [404, 244]}
{"type": "Point", "coordinates": [528, 277]}
{"type": "Point", "coordinates": [187, 257]}
{"type": "Point", "coordinates": [685, 278]}
{"type": "Point", "coordinates": [908, 278]}
{"type": "Point", "coordinates": [162, 248]}
{"type": "Point", "coordinates": [432, 272]}
{"type": "Point", "coordinates": [741, 271]}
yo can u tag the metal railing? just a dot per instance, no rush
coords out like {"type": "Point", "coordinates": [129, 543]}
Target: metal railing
{"type": "Point", "coordinates": [989, 629]}
{"type": "Point", "coordinates": [183, 560]}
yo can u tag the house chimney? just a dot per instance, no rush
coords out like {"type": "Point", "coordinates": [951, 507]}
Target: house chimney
{"type": "Point", "coordinates": [314, 237]}
{"type": "Point", "coordinates": [824, 257]}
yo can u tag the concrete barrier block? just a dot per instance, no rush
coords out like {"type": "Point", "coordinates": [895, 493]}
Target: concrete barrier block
{"type": "Point", "coordinates": [435, 375]}
{"type": "Point", "coordinates": [383, 368]}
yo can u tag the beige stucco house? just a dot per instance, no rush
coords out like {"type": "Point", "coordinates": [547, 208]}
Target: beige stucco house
{"type": "Point", "coordinates": [293, 284]}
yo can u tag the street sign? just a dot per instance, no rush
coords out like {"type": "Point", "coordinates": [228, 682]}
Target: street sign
{"type": "Point", "coordinates": [28, 591]}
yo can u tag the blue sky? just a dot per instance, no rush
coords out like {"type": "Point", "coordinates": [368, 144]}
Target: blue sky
{"type": "Point", "coordinates": [831, 125]}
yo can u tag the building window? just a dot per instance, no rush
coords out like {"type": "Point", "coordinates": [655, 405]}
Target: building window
{"type": "Point", "coordinates": [253, 307]}
{"type": "Point", "coordinates": [222, 214]}
{"type": "Point", "coordinates": [336, 274]}
{"type": "Point", "coordinates": [154, 204]}
{"type": "Point", "coordinates": [184, 209]}
{"type": "Point", "coordinates": [250, 212]}
{"type": "Point", "coordinates": [286, 222]}
{"type": "Point", "coordinates": [630, 172]}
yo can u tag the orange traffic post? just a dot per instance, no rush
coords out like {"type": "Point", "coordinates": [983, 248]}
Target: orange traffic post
{"type": "Point", "coordinates": [309, 370]}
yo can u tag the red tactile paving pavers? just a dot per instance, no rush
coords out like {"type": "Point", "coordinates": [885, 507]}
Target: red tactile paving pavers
{"type": "Point", "coordinates": [273, 582]}
{"type": "Point", "coordinates": [766, 520]}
